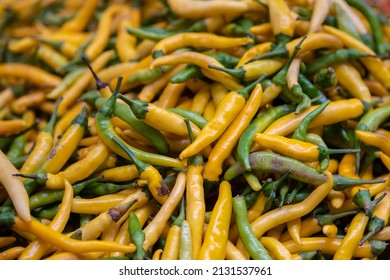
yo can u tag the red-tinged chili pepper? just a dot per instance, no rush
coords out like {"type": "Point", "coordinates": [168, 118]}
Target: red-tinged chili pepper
{"type": "Point", "coordinates": [252, 244]}
{"type": "Point", "coordinates": [228, 140]}
{"type": "Point", "coordinates": [225, 113]}
{"type": "Point", "coordinates": [216, 236]}
{"type": "Point", "coordinates": [274, 163]}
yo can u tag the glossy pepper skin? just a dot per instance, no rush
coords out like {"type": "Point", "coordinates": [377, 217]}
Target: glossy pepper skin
{"type": "Point", "coordinates": [216, 236]}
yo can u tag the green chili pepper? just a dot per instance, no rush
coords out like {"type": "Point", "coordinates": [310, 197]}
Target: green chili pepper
{"type": "Point", "coordinates": [103, 188]}
{"type": "Point", "coordinates": [48, 212]}
{"type": "Point", "coordinates": [189, 72]}
{"type": "Point", "coordinates": [301, 131]}
{"type": "Point", "coordinates": [325, 78]}
{"type": "Point", "coordinates": [272, 186]}
{"type": "Point", "coordinates": [126, 114]}
{"type": "Point", "coordinates": [274, 163]}
{"type": "Point", "coordinates": [374, 22]}
{"type": "Point", "coordinates": [371, 120]}
{"type": "Point", "coordinates": [297, 187]}
{"type": "Point", "coordinates": [195, 118]}
{"type": "Point", "coordinates": [49, 196]}
{"type": "Point", "coordinates": [85, 218]}
{"type": "Point", "coordinates": [362, 198]}
{"type": "Point", "coordinates": [90, 97]}
{"type": "Point", "coordinates": [107, 133]}
{"type": "Point", "coordinates": [252, 244]}
{"type": "Point", "coordinates": [317, 97]}
{"type": "Point", "coordinates": [137, 236]}
{"type": "Point", "coordinates": [334, 57]}
{"type": "Point", "coordinates": [185, 252]}
{"type": "Point", "coordinates": [259, 124]}
{"type": "Point", "coordinates": [283, 191]}
{"type": "Point", "coordinates": [295, 95]}
{"type": "Point", "coordinates": [16, 148]}
{"type": "Point", "coordinates": [344, 22]}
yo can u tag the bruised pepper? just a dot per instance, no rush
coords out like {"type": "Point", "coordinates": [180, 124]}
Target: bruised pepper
{"type": "Point", "coordinates": [226, 112]}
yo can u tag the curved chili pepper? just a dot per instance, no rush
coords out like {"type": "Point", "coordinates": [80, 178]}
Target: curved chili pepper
{"type": "Point", "coordinates": [376, 140]}
{"type": "Point", "coordinates": [321, 9]}
{"type": "Point", "coordinates": [271, 162]}
{"type": "Point", "coordinates": [216, 236]}
{"type": "Point", "coordinates": [252, 244]}
{"type": "Point", "coordinates": [227, 110]}
{"type": "Point", "coordinates": [258, 125]}
{"type": "Point", "coordinates": [372, 18]}
{"type": "Point", "coordinates": [137, 236]}
{"type": "Point", "coordinates": [196, 39]}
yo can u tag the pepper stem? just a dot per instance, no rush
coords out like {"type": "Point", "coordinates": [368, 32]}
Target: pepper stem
{"type": "Point", "coordinates": [238, 73]}
{"type": "Point", "coordinates": [99, 83]}
{"type": "Point", "coordinates": [138, 107]}
{"type": "Point", "coordinates": [327, 219]}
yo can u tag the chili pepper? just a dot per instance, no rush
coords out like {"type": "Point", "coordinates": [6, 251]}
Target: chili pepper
{"type": "Point", "coordinates": [253, 245]}
{"type": "Point", "coordinates": [362, 198]}
{"type": "Point", "coordinates": [15, 188]}
{"type": "Point", "coordinates": [374, 22]}
{"type": "Point", "coordinates": [258, 125]}
{"type": "Point", "coordinates": [205, 62]}
{"type": "Point", "coordinates": [195, 118]}
{"type": "Point", "coordinates": [227, 110]}
{"type": "Point", "coordinates": [330, 245]}
{"type": "Point", "coordinates": [352, 238]}
{"type": "Point", "coordinates": [99, 188]}
{"type": "Point", "coordinates": [317, 97]}
{"type": "Point", "coordinates": [301, 132]}
{"type": "Point", "coordinates": [66, 243]}
{"type": "Point", "coordinates": [153, 115]}
{"type": "Point", "coordinates": [195, 198]}
{"type": "Point", "coordinates": [282, 22]}
{"type": "Point", "coordinates": [380, 216]}
{"type": "Point", "coordinates": [321, 9]}
{"type": "Point", "coordinates": [344, 22]}
{"type": "Point", "coordinates": [374, 139]}
{"type": "Point", "coordinates": [136, 235]}
{"type": "Point", "coordinates": [80, 21]}
{"type": "Point", "coordinates": [76, 89]}
{"type": "Point", "coordinates": [155, 227]}
{"type": "Point", "coordinates": [196, 40]}
{"type": "Point", "coordinates": [212, 9]}
{"type": "Point", "coordinates": [314, 41]}
{"type": "Point", "coordinates": [106, 132]}
{"type": "Point", "coordinates": [216, 236]}
{"type": "Point", "coordinates": [173, 240]}
{"type": "Point", "coordinates": [12, 253]}
{"type": "Point", "coordinates": [185, 252]}
{"type": "Point", "coordinates": [347, 74]}
{"type": "Point", "coordinates": [37, 247]}
{"type": "Point", "coordinates": [331, 58]}
{"type": "Point", "coordinates": [189, 72]}
{"type": "Point", "coordinates": [228, 140]}
{"type": "Point", "coordinates": [152, 134]}
{"type": "Point", "coordinates": [290, 212]}
{"type": "Point", "coordinates": [326, 79]}
{"type": "Point", "coordinates": [271, 162]}
{"type": "Point", "coordinates": [252, 70]}
{"type": "Point", "coordinates": [351, 108]}
{"type": "Point", "coordinates": [296, 149]}
{"type": "Point", "coordinates": [374, 64]}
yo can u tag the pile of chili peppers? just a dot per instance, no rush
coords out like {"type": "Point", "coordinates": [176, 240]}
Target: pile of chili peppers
{"type": "Point", "coordinates": [194, 129]}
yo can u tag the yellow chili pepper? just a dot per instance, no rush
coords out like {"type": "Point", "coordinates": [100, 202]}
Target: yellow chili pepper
{"type": "Point", "coordinates": [170, 96]}
{"type": "Point", "coordinates": [196, 40]}
{"type": "Point", "coordinates": [379, 141]}
{"type": "Point", "coordinates": [275, 248]}
{"type": "Point", "coordinates": [63, 256]}
{"type": "Point", "coordinates": [30, 73]}
{"type": "Point", "coordinates": [36, 249]}
{"type": "Point", "coordinates": [14, 187]}
{"type": "Point", "coordinates": [9, 127]}
{"type": "Point", "coordinates": [294, 228]}
{"type": "Point", "coordinates": [6, 240]}
{"type": "Point", "coordinates": [201, 60]}
{"type": "Point", "coordinates": [155, 227]}
{"type": "Point", "coordinates": [321, 9]}
{"type": "Point", "coordinates": [82, 17]}
{"type": "Point", "coordinates": [327, 246]}
{"type": "Point", "coordinates": [228, 140]}
{"type": "Point", "coordinates": [281, 18]}
{"type": "Point", "coordinates": [352, 238]}
{"type": "Point", "coordinates": [335, 112]}
{"type": "Point", "coordinates": [11, 253]}
{"type": "Point", "coordinates": [330, 230]}
{"type": "Point", "coordinates": [374, 65]}
{"type": "Point", "coordinates": [66, 243]}
{"type": "Point", "coordinates": [216, 236]}
{"type": "Point", "coordinates": [289, 212]}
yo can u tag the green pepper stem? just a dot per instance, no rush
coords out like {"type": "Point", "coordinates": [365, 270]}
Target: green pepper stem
{"type": "Point", "coordinates": [238, 73]}
{"type": "Point", "coordinates": [140, 165]}
{"type": "Point", "coordinates": [99, 83]}
{"type": "Point", "coordinates": [182, 215]}
{"type": "Point", "coordinates": [40, 178]}
{"type": "Point", "coordinates": [138, 107]}
{"type": "Point", "coordinates": [327, 219]}
{"type": "Point", "coordinates": [375, 225]}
